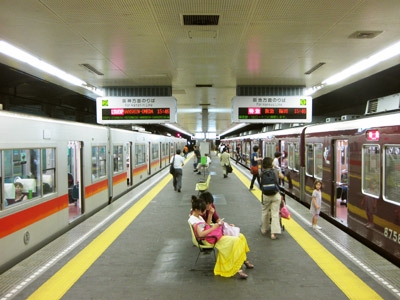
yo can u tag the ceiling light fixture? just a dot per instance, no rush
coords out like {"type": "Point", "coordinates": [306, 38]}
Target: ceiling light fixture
{"type": "Point", "coordinates": [178, 129]}
{"type": "Point", "coordinates": [358, 67]}
{"type": "Point", "coordinates": [25, 57]}
{"type": "Point", "coordinates": [233, 128]}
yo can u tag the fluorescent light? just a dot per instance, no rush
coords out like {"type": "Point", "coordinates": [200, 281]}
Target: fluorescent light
{"type": "Point", "coordinates": [25, 57]}
{"type": "Point", "coordinates": [178, 129]}
{"type": "Point", "coordinates": [383, 55]}
{"type": "Point", "coordinates": [233, 128]}
{"type": "Point", "coordinates": [211, 135]}
{"type": "Point", "coordinates": [189, 110]}
{"type": "Point", "coordinates": [199, 135]}
{"type": "Point", "coordinates": [220, 110]}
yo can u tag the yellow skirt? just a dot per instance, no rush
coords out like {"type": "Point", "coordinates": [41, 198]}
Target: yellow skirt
{"type": "Point", "coordinates": [231, 255]}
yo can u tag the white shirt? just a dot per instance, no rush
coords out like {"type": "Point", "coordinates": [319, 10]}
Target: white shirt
{"type": "Point", "coordinates": [179, 160]}
{"type": "Point", "coordinates": [194, 220]}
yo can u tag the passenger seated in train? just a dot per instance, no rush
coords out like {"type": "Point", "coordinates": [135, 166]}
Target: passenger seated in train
{"type": "Point", "coordinates": [19, 196]}
{"type": "Point", "coordinates": [231, 250]}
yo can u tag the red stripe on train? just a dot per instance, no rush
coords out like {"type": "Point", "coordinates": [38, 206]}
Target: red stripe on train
{"type": "Point", "coordinates": [119, 178]}
{"type": "Point", "coordinates": [22, 219]}
{"type": "Point", "coordinates": [96, 188]}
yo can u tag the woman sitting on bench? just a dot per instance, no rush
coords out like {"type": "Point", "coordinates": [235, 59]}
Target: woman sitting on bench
{"type": "Point", "coordinates": [231, 250]}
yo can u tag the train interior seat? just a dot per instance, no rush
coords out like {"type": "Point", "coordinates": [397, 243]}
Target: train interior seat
{"type": "Point", "coordinates": [9, 191]}
{"type": "Point", "coordinates": [29, 184]}
{"type": "Point", "coordinates": [47, 179]}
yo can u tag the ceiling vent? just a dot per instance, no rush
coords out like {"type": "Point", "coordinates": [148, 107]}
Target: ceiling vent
{"type": "Point", "coordinates": [317, 66]}
{"type": "Point", "coordinates": [200, 20]}
{"type": "Point", "coordinates": [364, 34]}
{"type": "Point", "coordinates": [91, 69]}
{"type": "Point", "coordinates": [204, 85]}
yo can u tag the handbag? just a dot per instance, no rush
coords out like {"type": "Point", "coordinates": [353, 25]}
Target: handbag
{"type": "Point", "coordinates": [254, 170]}
{"type": "Point", "coordinates": [231, 230]}
{"type": "Point", "coordinates": [285, 212]}
{"type": "Point", "coordinates": [171, 168]}
{"type": "Point", "coordinates": [218, 233]}
{"type": "Point", "coordinates": [228, 168]}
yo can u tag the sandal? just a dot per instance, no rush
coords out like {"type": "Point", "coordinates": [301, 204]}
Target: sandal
{"type": "Point", "coordinates": [242, 274]}
{"type": "Point", "coordinates": [248, 265]}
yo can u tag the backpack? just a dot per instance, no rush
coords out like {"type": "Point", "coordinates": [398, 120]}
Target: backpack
{"type": "Point", "coordinates": [269, 185]}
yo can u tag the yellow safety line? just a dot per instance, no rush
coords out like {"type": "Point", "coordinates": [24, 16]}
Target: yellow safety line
{"type": "Point", "coordinates": [64, 279]}
{"type": "Point", "coordinates": [350, 284]}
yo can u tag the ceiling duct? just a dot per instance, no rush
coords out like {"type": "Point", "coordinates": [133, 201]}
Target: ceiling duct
{"type": "Point", "coordinates": [317, 66]}
{"type": "Point", "coordinates": [91, 69]}
{"type": "Point", "coordinates": [200, 20]}
{"type": "Point", "coordinates": [204, 119]}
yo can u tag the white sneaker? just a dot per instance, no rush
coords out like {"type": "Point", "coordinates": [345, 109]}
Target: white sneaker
{"type": "Point", "coordinates": [318, 227]}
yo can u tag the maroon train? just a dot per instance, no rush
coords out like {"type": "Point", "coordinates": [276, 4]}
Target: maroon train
{"type": "Point", "coordinates": [358, 162]}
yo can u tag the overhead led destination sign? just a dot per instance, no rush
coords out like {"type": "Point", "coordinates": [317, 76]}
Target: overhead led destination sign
{"type": "Point", "coordinates": [272, 109]}
{"type": "Point", "coordinates": [133, 110]}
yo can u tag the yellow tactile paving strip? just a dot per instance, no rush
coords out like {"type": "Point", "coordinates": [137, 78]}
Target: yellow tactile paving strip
{"type": "Point", "coordinates": [352, 286]}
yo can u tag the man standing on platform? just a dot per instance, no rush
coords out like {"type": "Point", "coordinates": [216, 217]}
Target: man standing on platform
{"type": "Point", "coordinates": [225, 161]}
{"type": "Point", "coordinates": [196, 158]}
{"type": "Point", "coordinates": [178, 162]}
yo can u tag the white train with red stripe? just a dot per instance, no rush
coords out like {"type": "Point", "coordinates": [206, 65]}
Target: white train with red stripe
{"type": "Point", "coordinates": [56, 173]}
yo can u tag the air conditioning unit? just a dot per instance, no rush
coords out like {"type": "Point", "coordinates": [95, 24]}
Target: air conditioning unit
{"type": "Point", "coordinates": [332, 119]}
{"type": "Point", "coordinates": [349, 117]}
{"type": "Point", "coordinates": [383, 104]}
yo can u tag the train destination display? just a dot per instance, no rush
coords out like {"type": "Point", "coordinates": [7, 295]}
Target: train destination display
{"type": "Point", "coordinates": [272, 109]}
{"type": "Point", "coordinates": [133, 110]}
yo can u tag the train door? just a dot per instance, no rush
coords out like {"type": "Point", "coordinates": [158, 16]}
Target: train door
{"type": "Point", "coordinates": [340, 173]}
{"type": "Point", "coordinates": [75, 182]}
{"type": "Point", "coordinates": [129, 164]}
{"type": "Point", "coordinates": [148, 151]}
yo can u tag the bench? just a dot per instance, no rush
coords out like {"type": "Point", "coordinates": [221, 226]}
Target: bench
{"type": "Point", "coordinates": [198, 242]}
{"type": "Point", "coordinates": [203, 186]}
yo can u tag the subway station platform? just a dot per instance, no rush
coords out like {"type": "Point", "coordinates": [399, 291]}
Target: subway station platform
{"type": "Point", "coordinates": [140, 247]}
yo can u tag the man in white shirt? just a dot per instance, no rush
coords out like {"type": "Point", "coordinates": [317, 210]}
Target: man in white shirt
{"type": "Point", "coordinates": [178, 162]}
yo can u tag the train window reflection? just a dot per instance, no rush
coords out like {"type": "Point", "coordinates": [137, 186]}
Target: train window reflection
{"type": "Point", "coordinates": [154, 152]}
{"type": "Point", "coordinates": [98, 162]}
{"type": "Point", "coordinates": [21, 175]}
{"type": "Point", "coordinates": [392, 173]}
{"type": "Point", "coordinates": [140, 154]}
{"type": "Point", "coordinates": [310, 159]}
{"type": "Point", "coordinates": [291, 156]}
{"type": "Point", "coordinates": [48, 170]}
{"type": "Point", "coordinates": [318, 154]}
{"type": "Point", "coordinates": [118, 158]}
{"type": "Point", "coordinates": [296, 156]}
{"type": "Point", "coordinates": [371, 170]}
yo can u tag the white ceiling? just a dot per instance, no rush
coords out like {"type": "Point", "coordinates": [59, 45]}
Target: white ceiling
{"type": "Point", "coordinates": [259, 42]}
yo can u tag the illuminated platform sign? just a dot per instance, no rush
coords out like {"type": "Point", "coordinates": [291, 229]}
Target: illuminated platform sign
{"type": "Point", "coordinates": [134, 110]}
{"type": "Point", "coordinates": [272, 109]}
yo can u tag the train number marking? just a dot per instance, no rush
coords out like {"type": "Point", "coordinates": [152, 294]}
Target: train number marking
{"type": "Point", "coordinates": [392, 235]}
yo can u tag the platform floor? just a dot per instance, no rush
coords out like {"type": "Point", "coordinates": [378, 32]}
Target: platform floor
{"type": "Point", "coordinates": [140, 248]}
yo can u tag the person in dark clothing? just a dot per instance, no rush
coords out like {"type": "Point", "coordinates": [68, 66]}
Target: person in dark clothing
{"type": "Point", "coordinates": [196, 158]}
{"type": "Point", "coordinates": [254, 163]}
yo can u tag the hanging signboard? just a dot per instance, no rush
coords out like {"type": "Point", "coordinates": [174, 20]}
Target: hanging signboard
{"type": "Point", "coordinates": [272, 109]}
{"type": "Point", "coordinates": [135, 110]}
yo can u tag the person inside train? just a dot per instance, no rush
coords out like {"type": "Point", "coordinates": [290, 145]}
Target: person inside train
{"type": "Point", "coordinates": [237, 154]}
{"type": "Point", "coordinates": [19, 196]}
{"type": "Point", "coordinates": [271, 203]}
{"type": "Point", "coordinates": [284, 166]}
{"type": "Point", "coordinates": [254, 167]}
{"type": "Point", "coordinates": [231, 250]}
{"type": "Point", "coordinates": [316, 202]}
{"type": "Point", "coordinates": [370, 204]}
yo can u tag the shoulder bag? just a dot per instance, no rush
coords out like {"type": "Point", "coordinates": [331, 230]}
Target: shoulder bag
{"type": "Point", "coordinates": [171, 168]}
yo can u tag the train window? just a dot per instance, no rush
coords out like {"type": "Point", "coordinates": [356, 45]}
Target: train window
{"type": "Point", "coordinates": [318, 154]}
{"type": "Point", "coordinates": [296, 156]}
{"type": "Point", "coordinates": [154, 152]}
{"type": "Point", "coordinates": [118, 158]}
{"type": "Point", "coordinates": [49, 170]}
{"type": "Point", "coordinates": [98, 162]}
{"type": "Point", "coordinates": [291, 156]}
{"type": "Point", "coordinates": [371, 162]}
{"type": "Point", "coordinates": [310, 159]}
{"type": "Point", "coordinates": [392, 173]}
{"type": "Point", "coordinates": [163, 149]}
{"type": "Point", "coordinates": [21, 175]}
{"type": "Point", "coordinates": [140, 154]}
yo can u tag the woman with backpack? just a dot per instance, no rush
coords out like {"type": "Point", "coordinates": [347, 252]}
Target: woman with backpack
{"type": "Point", "coordinates": [271, 198]}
